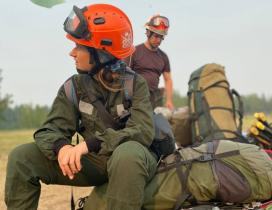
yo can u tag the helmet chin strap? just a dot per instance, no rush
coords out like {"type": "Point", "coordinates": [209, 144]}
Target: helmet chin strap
{"type": "Point", "coordinates": [94, 59]}
{"type": "Point", "coordinates": [96, 63]}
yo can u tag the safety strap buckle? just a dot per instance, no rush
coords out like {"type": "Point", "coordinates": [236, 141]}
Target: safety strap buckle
{"type": "Point", "coordinates": [206, 157]}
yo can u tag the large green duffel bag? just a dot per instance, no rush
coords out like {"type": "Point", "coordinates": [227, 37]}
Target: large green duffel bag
{"type": "Point", "coordinates": [211, 105]}
{"type": "Point", "coordinates": [221, 170]}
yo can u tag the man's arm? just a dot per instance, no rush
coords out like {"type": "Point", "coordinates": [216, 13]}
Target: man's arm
{"type": "Point", "coordinates": [168, 90]}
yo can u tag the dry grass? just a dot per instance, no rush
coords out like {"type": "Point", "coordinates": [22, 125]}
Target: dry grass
{"type": "Point", "coordinates": [53, 197]}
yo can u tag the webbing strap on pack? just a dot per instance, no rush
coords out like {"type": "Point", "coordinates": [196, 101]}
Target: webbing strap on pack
{"type": "Point", "coordinates": [169, 162]}
{"type": "Point", "coordinates": [240, 109]}
{"type": "Point", "coordinates": [185, 193]}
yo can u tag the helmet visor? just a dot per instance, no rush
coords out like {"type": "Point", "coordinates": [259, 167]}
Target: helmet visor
{"type": "Point", "coordinates": [160, 21]}
{"type": "Point", "coordinates": [76, 25]}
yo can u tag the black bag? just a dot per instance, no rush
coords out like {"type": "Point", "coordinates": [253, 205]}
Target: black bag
{"type": "Point", "coordinates": [164, 141]}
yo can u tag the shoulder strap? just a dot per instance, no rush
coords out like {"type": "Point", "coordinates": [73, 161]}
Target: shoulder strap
{"type": "Point", "coordinates": [70, 91]}
{"type": "Point", "coordinates": [105, 116]}
{"type": "Point", "coordinates": [109, 122]}
{"type": "Point", "coordinates": [128, 87]}
{"type": "Point", "coordinates": [71, 94]}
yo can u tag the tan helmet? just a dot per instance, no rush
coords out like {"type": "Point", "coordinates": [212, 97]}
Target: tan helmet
{"type": "Point", "coordinates": [158, 24]}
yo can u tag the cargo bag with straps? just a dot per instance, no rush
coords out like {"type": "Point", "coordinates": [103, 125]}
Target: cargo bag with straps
{"type": "Point", "coordinates": [220, 171]}
{"type": "Point", "coordinates": [212, 108]}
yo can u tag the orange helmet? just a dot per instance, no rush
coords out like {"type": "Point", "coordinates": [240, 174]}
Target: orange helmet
{"type": "Point", "coordinates": [158, 24]}
{"type": "Point", "coordinates": [101, 26]}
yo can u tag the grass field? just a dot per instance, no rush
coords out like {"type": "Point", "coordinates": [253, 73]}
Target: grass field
{"type": "Point", "coordinates": [53, 197]}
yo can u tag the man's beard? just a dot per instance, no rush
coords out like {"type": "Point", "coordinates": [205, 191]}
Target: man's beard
{"type": "Point", "coordinates": [154, 47]}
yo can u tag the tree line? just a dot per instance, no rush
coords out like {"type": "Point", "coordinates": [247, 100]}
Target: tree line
{"type": "Point", "coordinates": [23, 116]}
{"type": "Point", "coordinates": [26, 116]}
{"type": "Point", "coordinates": [29, 116]}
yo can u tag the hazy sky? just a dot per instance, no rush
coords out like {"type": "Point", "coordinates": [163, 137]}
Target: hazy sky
{"type": "Point", "coordinates": [235, 33]}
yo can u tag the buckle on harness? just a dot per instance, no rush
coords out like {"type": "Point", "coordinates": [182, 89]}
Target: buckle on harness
{"type": "Point", "coordinates": [206, 157]}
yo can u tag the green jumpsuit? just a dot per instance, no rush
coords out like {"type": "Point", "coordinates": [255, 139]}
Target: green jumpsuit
{"type": "Point", "coordinates": [124, 159]}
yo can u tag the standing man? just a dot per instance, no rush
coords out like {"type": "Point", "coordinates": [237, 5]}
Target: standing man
{"type": "Point", "coordinates": [151, 62]}
{"type": "Point", "coordinates": [92, 103]}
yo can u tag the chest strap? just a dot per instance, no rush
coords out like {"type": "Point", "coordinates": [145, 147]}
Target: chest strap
{"type": "Point", "coordinates": [106, 117]}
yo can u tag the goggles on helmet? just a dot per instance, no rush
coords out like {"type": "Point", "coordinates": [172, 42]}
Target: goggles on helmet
{"type": "Point", "coordinates": [159, 20]}
{"type": "Point", "coordinates": [76, 24]}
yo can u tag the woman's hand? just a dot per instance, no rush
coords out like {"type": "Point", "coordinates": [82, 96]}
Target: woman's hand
{"type": "Point", "coordinates": [69, 158]}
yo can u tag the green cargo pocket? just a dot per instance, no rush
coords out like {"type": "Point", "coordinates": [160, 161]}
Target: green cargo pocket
{"type": "Point", "coordinates": [233, 187]}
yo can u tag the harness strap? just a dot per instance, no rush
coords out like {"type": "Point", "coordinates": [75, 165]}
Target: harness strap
{"type": "Point", "coordinates": [70, 91]}
{"type": "Point", "coordinates": [71, 94]}
{"type": "Point", "coordinates": [129, 87]}
{"type": "Point", "coordinates": [105, 116]}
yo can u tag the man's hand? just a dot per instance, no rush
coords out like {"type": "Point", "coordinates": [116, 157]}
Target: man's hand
{"type": "Point", "coordinates": [169, 105]}
{"type": "Point", "coordinates": [69, 158]}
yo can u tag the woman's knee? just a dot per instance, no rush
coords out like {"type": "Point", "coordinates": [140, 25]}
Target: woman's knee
{"type": "Point", "coordinates": [130, 151]}
{"type": "Point", "coordinates": [22, 153]}
{"type": "Point", "coordinates": [131, 157]}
